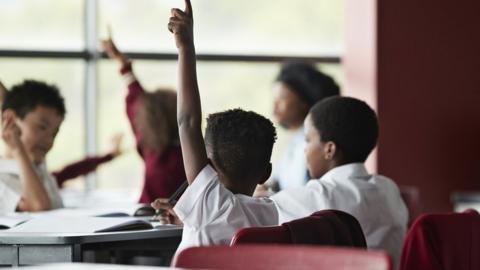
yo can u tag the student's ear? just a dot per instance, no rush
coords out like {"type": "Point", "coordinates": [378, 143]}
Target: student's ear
{"type": "Point", "coordinates": [267, 173]}
{"type": "Point", "coordinates": [330, 150]}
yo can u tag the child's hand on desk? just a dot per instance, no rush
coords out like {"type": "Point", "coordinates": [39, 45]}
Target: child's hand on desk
{"type": "Point", "coordinates": [166, 213]}
{"type": "Point", "coordinates": [181, 25]}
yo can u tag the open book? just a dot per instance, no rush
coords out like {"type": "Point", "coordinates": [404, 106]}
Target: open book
{"type": "Point", "coordinates": [7, 222]}
{"type": "Point", "coordinates": [102, 211]}
{"type": "Point", "coordinates": [57, 224]}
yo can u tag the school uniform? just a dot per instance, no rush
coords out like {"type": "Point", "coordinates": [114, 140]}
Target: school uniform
{"type": "Point", "coordinates": [291, 171]}
{"type": "Point", "coordinates": [11, 186]}
{"type": "Point", "coordinates": [212, 214]}
{"type": "Point", "coordinates": [373, 200]}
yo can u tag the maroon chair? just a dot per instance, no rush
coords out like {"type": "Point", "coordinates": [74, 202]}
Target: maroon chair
{"type": "Point", "coordinates": [443, 242]}
{"type": "Point", "coordinates": [326, 227]}
{"type": "Point", "coordinates": [262, 235]}
{"type": "Point", "coordinates": [411, 197]}
{"type": "Point", "coordinates": [273, 257]}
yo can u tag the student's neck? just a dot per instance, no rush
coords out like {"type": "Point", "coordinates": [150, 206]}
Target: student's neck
{"type": "Point", "coordinates": [296, 127]}
{"type": "Point", "coordinates": [245, 190]}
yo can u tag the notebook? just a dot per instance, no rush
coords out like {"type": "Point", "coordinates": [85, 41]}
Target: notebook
{"type": "Point", "coordinates": [57, 224]}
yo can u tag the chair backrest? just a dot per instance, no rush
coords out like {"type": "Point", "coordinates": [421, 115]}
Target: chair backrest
{"type": "Point", "coordinates": [262, 235]}
{"type": "Point", "coordinates": [326, 227]}
{"type": "Point", "coordinates": [256, 257]}
{"type": "Point", "coordinates": [411, 197]}
{"type": "Point", "coordinates": [443, 241]}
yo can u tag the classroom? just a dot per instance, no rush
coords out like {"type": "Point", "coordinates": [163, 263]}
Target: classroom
{"type": "Point", "coordinates": [208, 134]}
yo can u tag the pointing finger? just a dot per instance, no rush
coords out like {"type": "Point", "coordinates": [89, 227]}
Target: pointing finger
{"type": "Point", "coordinates": [188, 8]}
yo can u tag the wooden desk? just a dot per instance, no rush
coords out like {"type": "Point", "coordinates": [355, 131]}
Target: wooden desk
{"type": "Point", "coordinates": [115, 247]}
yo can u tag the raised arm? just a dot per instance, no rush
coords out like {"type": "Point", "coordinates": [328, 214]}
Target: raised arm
{"type": "Point", "coordinates": [88, 164]}
{"type": "Point", "coordinates": [113, 52]}
{"type": "Point", "coordinates": [189, 112]}
{"type": "Point", "coordinates": [135, 89]}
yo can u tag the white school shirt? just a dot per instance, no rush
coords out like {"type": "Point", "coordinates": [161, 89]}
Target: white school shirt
{"type": "Point", "coordinates": [11, 186]}
{"type": "Point", "coordinates": [373, 200]}
{"type": "Point", "coordinates": [292, 170]}
{"type": "Point", "coordinates": [212, 214]}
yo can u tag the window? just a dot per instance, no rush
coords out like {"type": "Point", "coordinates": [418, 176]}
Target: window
{"type": "Point", "coordinates": [240, 47]}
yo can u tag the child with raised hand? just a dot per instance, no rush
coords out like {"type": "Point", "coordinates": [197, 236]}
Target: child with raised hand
{"type": "Point", "coordinates": [32, 113]}
{"type": "Point", "coordinates": [223, 170]}
{"type": "Point", "coordinates": [152, 116]}
{"type": "Point", "coordinates": [340, 133]}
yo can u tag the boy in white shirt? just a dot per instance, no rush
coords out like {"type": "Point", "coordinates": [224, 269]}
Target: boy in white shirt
{"type": "Point", "coordinates": [223, 170]}
{"type": "Point", "coordinates": [32, 113]}
{"type": "Point", "coordinates": [340, 134]}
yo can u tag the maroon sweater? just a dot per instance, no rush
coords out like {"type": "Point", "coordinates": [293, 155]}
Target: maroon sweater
{"type": "Point", "coordinates": [164, 172]}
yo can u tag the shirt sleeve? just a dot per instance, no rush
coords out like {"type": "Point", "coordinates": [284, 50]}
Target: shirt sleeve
{"type": "Point", "coordinates": [299, 202]}
{"type": "Point", "coordinates": [133, 99]}
{"type": "Point", "coordinates": [204, 199]}
{"type": "Point", "coordinates": [9, 196]}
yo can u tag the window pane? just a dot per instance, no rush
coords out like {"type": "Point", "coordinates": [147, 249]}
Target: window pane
{"type": "Point", "coordinates": [223, 86]}
{"type": "Point", "coordinates": [302, 27]}
{"type": "Point", "coordinates": [68, 76]}
{"type": "Point", "coordinates": [41, 24]}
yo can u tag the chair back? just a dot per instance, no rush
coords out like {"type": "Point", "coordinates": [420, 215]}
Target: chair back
{"type": "Point", "coordinates": [273, 257]}
{"type": "Point", "coordinates": [443, 241]}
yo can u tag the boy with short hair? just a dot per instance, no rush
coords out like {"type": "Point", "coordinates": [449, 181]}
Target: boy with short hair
{"type": "Point", "coordinates": [223, 170]}
{"type": "Point", "coordinates": [32, 113]}
{"type": "Point", "coordinates": [340, 134]}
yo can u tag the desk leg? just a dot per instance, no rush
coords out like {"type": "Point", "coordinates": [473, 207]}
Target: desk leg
{"type": "Point", "coordinates": [15, 256]}
{"type": "Point", "coordinates": [77, 253]}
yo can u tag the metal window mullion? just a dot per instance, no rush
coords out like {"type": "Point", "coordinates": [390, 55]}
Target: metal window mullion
{"type": "Point", "coordinates": [90, 95]}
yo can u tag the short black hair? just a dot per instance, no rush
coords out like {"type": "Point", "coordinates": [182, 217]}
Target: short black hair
{"type": "Point", "coordinates": [307, 82]}
{"type": "Point", "coordinates": [348, 122]}
{"type": "Point", "coordinates": [26, 96]}
{"type": "Point", "coordinates": [240, 142]}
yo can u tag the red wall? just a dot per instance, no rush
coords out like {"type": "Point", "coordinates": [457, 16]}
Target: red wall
{"type": "Point", "coordinates": [428, 95]}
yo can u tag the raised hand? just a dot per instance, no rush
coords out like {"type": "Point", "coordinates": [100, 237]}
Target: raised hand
{"type": "Point", "coordinates": [189, 109]}
{"type": "Point", "coordinates": [181, 25]}
{"type": "Point", "coordinates": [112, 51]}
{"type": "Point", "coordinates": [116, 144]}
{"type": "Point", "coordinates": [10, 131]}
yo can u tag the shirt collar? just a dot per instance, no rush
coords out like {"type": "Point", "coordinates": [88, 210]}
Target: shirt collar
{"type": "Point", "coordinates": [351, 170]}
{"type": "Point", "coordinates": [9, 166]}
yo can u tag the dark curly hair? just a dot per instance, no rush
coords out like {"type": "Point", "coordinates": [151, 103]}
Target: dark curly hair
{"type": "Point", "coordinates": [240, 142]}
{"type": "Point", "coordinates": [348, 122]}
{"type": "Point", "coordinates": [307, 82]}
{"type": "Point", "coordinates": [26, 96]}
